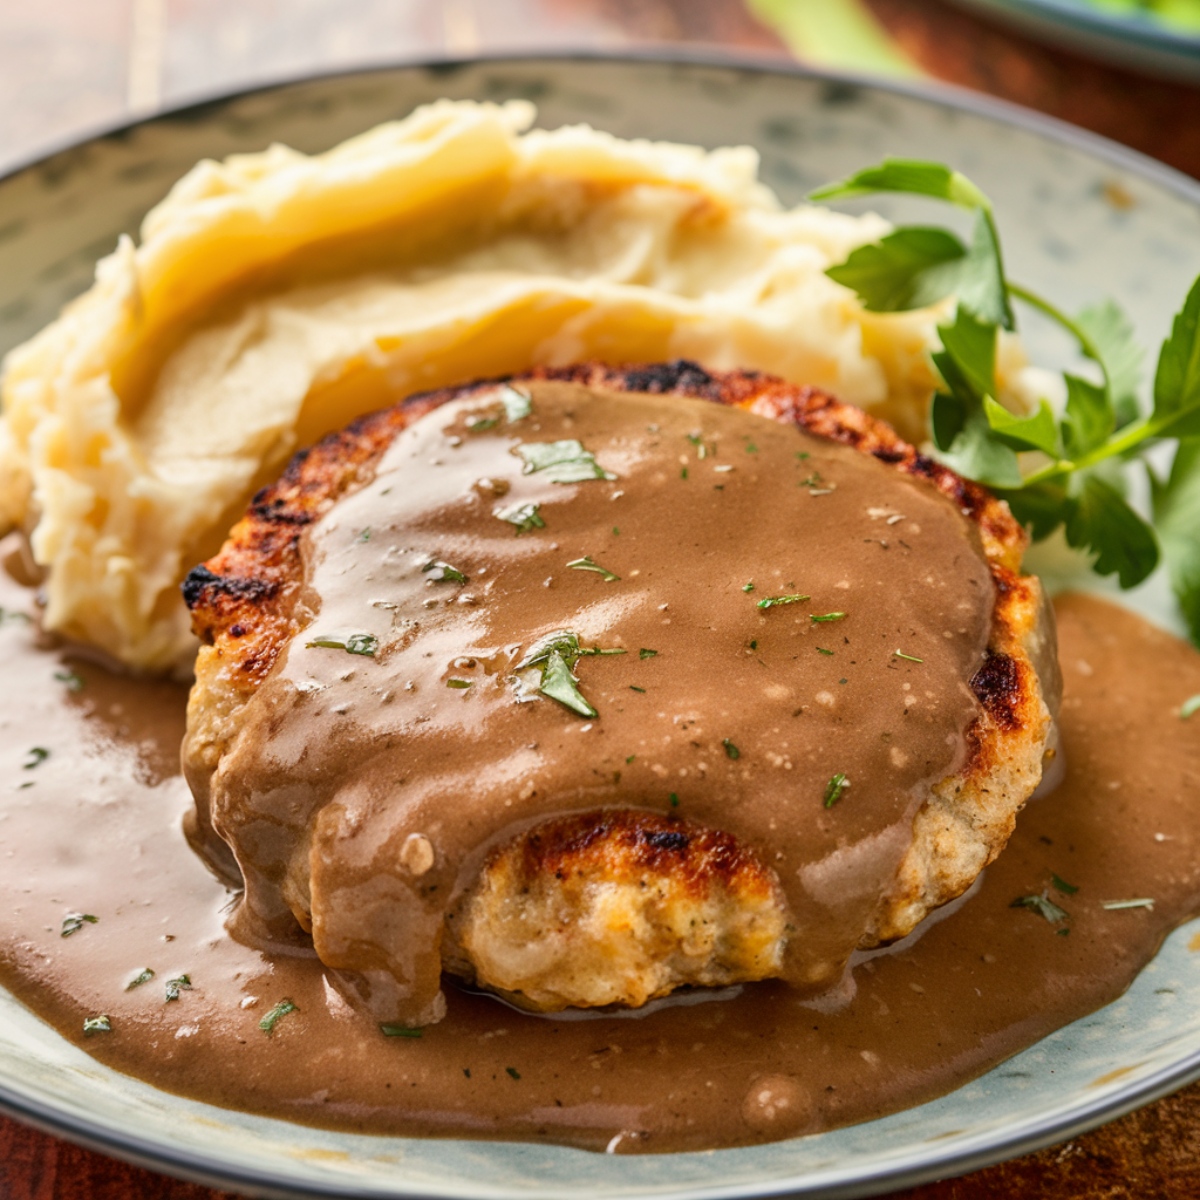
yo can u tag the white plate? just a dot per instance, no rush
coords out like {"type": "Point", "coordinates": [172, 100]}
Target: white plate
{"type": "Point", "coordinates": [1081, 219]}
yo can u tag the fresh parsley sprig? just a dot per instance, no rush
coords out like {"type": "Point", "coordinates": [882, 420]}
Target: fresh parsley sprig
{"type": "Point", "coordinates": [1076, 479]}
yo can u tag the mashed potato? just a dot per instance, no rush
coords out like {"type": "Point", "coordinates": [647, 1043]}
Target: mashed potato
{"type": "Point", "coordinates": [276, 296]}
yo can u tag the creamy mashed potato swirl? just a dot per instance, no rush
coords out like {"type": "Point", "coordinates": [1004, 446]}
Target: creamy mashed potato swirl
{"type": "Point", "coordinates": [276, 296]}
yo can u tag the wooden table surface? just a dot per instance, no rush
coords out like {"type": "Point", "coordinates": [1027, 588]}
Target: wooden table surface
{"type": "Point", "coordinates": [67, 66]}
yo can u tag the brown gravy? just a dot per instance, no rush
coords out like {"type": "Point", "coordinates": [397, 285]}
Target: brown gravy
{"type": "Point", "coordinates": [705, 705]}
{"type": "Point", "coordinates": [93, 827]}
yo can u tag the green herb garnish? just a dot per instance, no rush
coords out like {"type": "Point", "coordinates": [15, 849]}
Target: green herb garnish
{"type": "Point", "coordinates": [899, 653]}
{"type": "Point", "coordinates": [398, 1030]}
{"type": "Point", "coordinates": [281, 1010]}
{"type": "Point", "coordinates": [1189, 706]}
{"type": "Point", "coordinates": [1073, 466]}
{"type": "Point", "coordinates": [37, 756]}
{"type": "Point", "coordinates": [629, 758]}
{"type": "Point", "coordinates": [1061, 885]}
{"type": "Point", "coordinates": [562, 462]}
{"type": "Point", "coordinates": [482, 424]}
{"type": "Point", "coordinates": [586, 564]}
{"type": "Point", "coordinates": [517, 404]}
{"type": "Point", "coordinates": [524, 516]}
{"type": "Point", "coordinates": [365, 536]}
{"type": "Point", "coordinates": [458, 683]}
{"type": "Point", "coordinates": [674, 799]}
{"type": "Point", "coordinates": [555, 656]}
{"type": "Point", "coordinates": [174, 986]}
{"type": "Point", "coordinates": [772, 601]}
{"type": "Point", "coordinates": [835, 787]}
{"type": "Point", "coordinates": [698, 442]}
{"type": "Point", "coordinates": [355, 643]}
{"type": "Point", "coordinates": [513, 1072]}
{"type": "Point", "coordinates": [632, 688]}
{"type": "Point", "coordinates": [822, 650]}
{"type": "Point", "coordinates": [440, 572]}
{"type": "Point", "coordinates": [72, 679]}
{"type": "Point", "coordinates": [143, 976]}
{"type": "Point", "coordinates": [833, 616]}
{"type": "Point", "coordinates": [1114, 905]}
{"type": "Point", "coordinates": [101, 1024]}
{"type": "Point", "coordinates": [748, 587]}
{"type": "Point", "coordinates": [644, 653]}
{"type": "Point", "coordinates": [1042, 905]}
{"type": "Point", "coordinates": [74, 922]}
{"type": "Point", "coordinates": [731, 750]}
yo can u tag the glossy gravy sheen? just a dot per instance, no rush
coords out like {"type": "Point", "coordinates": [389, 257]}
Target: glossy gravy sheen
{"type": "Point", "coordinates": [709, 707]}
{"type": "Point", "coordinates": [92, 826]}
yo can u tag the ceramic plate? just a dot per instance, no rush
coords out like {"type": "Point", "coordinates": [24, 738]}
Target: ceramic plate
{"type": "Point", "coordinates": [1134, 39]}
{"type": "Point", "coordinates": [1080, 218]}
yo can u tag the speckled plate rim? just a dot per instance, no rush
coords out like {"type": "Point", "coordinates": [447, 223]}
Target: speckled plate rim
{"type": "Point", "coordinates": [987, 1148]}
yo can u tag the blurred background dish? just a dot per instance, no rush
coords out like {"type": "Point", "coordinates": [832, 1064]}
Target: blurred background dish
{"type": "Point", "coordinates": [1159, 39]}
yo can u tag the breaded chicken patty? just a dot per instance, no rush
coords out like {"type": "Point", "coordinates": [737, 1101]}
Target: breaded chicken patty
{"type": "Point", "coordinates": [614, 903]}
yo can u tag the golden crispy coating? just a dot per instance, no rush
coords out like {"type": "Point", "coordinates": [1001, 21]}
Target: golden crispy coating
{"type": "Point", "coordinates": [618, 907]}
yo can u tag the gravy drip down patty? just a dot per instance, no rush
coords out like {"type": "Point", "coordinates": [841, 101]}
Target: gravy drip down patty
{"type": "Point", "coordinates": [371, 753]}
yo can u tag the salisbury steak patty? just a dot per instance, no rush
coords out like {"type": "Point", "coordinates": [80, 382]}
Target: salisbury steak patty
{"type": "Point", "coordinates": [584, 695]}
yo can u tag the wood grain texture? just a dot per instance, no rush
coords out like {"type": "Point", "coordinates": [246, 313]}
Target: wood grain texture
{"type": "Point", "coordinates": [68, 65]}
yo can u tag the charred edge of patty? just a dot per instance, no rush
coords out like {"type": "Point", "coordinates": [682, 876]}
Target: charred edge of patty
{"type": "Point", "coordinates": [633, 840]}
{"type": "Point", "coordinates": [256, 569]}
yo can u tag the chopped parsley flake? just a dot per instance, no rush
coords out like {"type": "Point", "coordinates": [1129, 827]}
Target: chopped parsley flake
{"type": "Point", "coordinates": [698, 442]}
{"type": "Point", "coordinates": [365, 536]}
{"type": "Point", "coordinates": [751, 448]}
{"type": "Point", "coordinates": [835, 787]}
{"type": "Point", "coordinates": [899, 653]}
{"type": "Point", "coordinates": [801, 455]}
{"type": "Point", "coordinates": [616, 532]}
{"type": "Point", "coordinates": [524, 516]}
{"type": "Point", "coordinates": [101, 1024]}
{"type": "Point", "coordinates": [833, 616]}
{"type": "Point", "coordinates": [1061, 885]}
{"type": "Point", "coordinates": [644, 653]}
{"type": "Point", "coordinates": [74, 922]}
{"type": "Point", "coordinates": [355, 643]}
{"type": "Point", "coordinates": [174, 986]}
{"type": "Point", "coordinates": [73, 680]}
{"type": "Point", "coordinates": [143, 976]}
{"type": "Point", "coordinates": [632, 688]}
{"type": "Point", "coordinates": [822, 650]}
{"type": "Point", "coordinates": [1043, 906]}
{"type": "Point", "coordinates": [458, 683]}
{"type": "Point", "coordinates": [37, 756]}
{"type": "Point", "coordinates": [562, 462]}
{"type": "Point", "coordinates": [513, 1072]}
{"type": "Point", "coordinates": [1189, 706]}
{"type": "Point", "coordinates": [674, 798]}
{"type": "Point", "coordinates": [555, 656]}
{"type": "Point", "coordinates": [281, 1010]}
{"type": "Point", "coordinates": [772, 601]}
{"type": "Point", "coordinates": [629, 758]}
{"type": "Point", "coordinates": [748, 587]}
{"type": "Point", "coordinates": [586, 564]}
{"type": "Point", "coordinates": [517, 404]}
{"type": "Point", "coordinates": [731, 750]}
{"type": "Point", "coordinates": [1141, 902]}
{"type": "Point", "coordinates": [480, 424]}
{"type": "Point", "coordinates": [394, 1029]}
{"type": "Point", "coordinates": [440, 572]}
